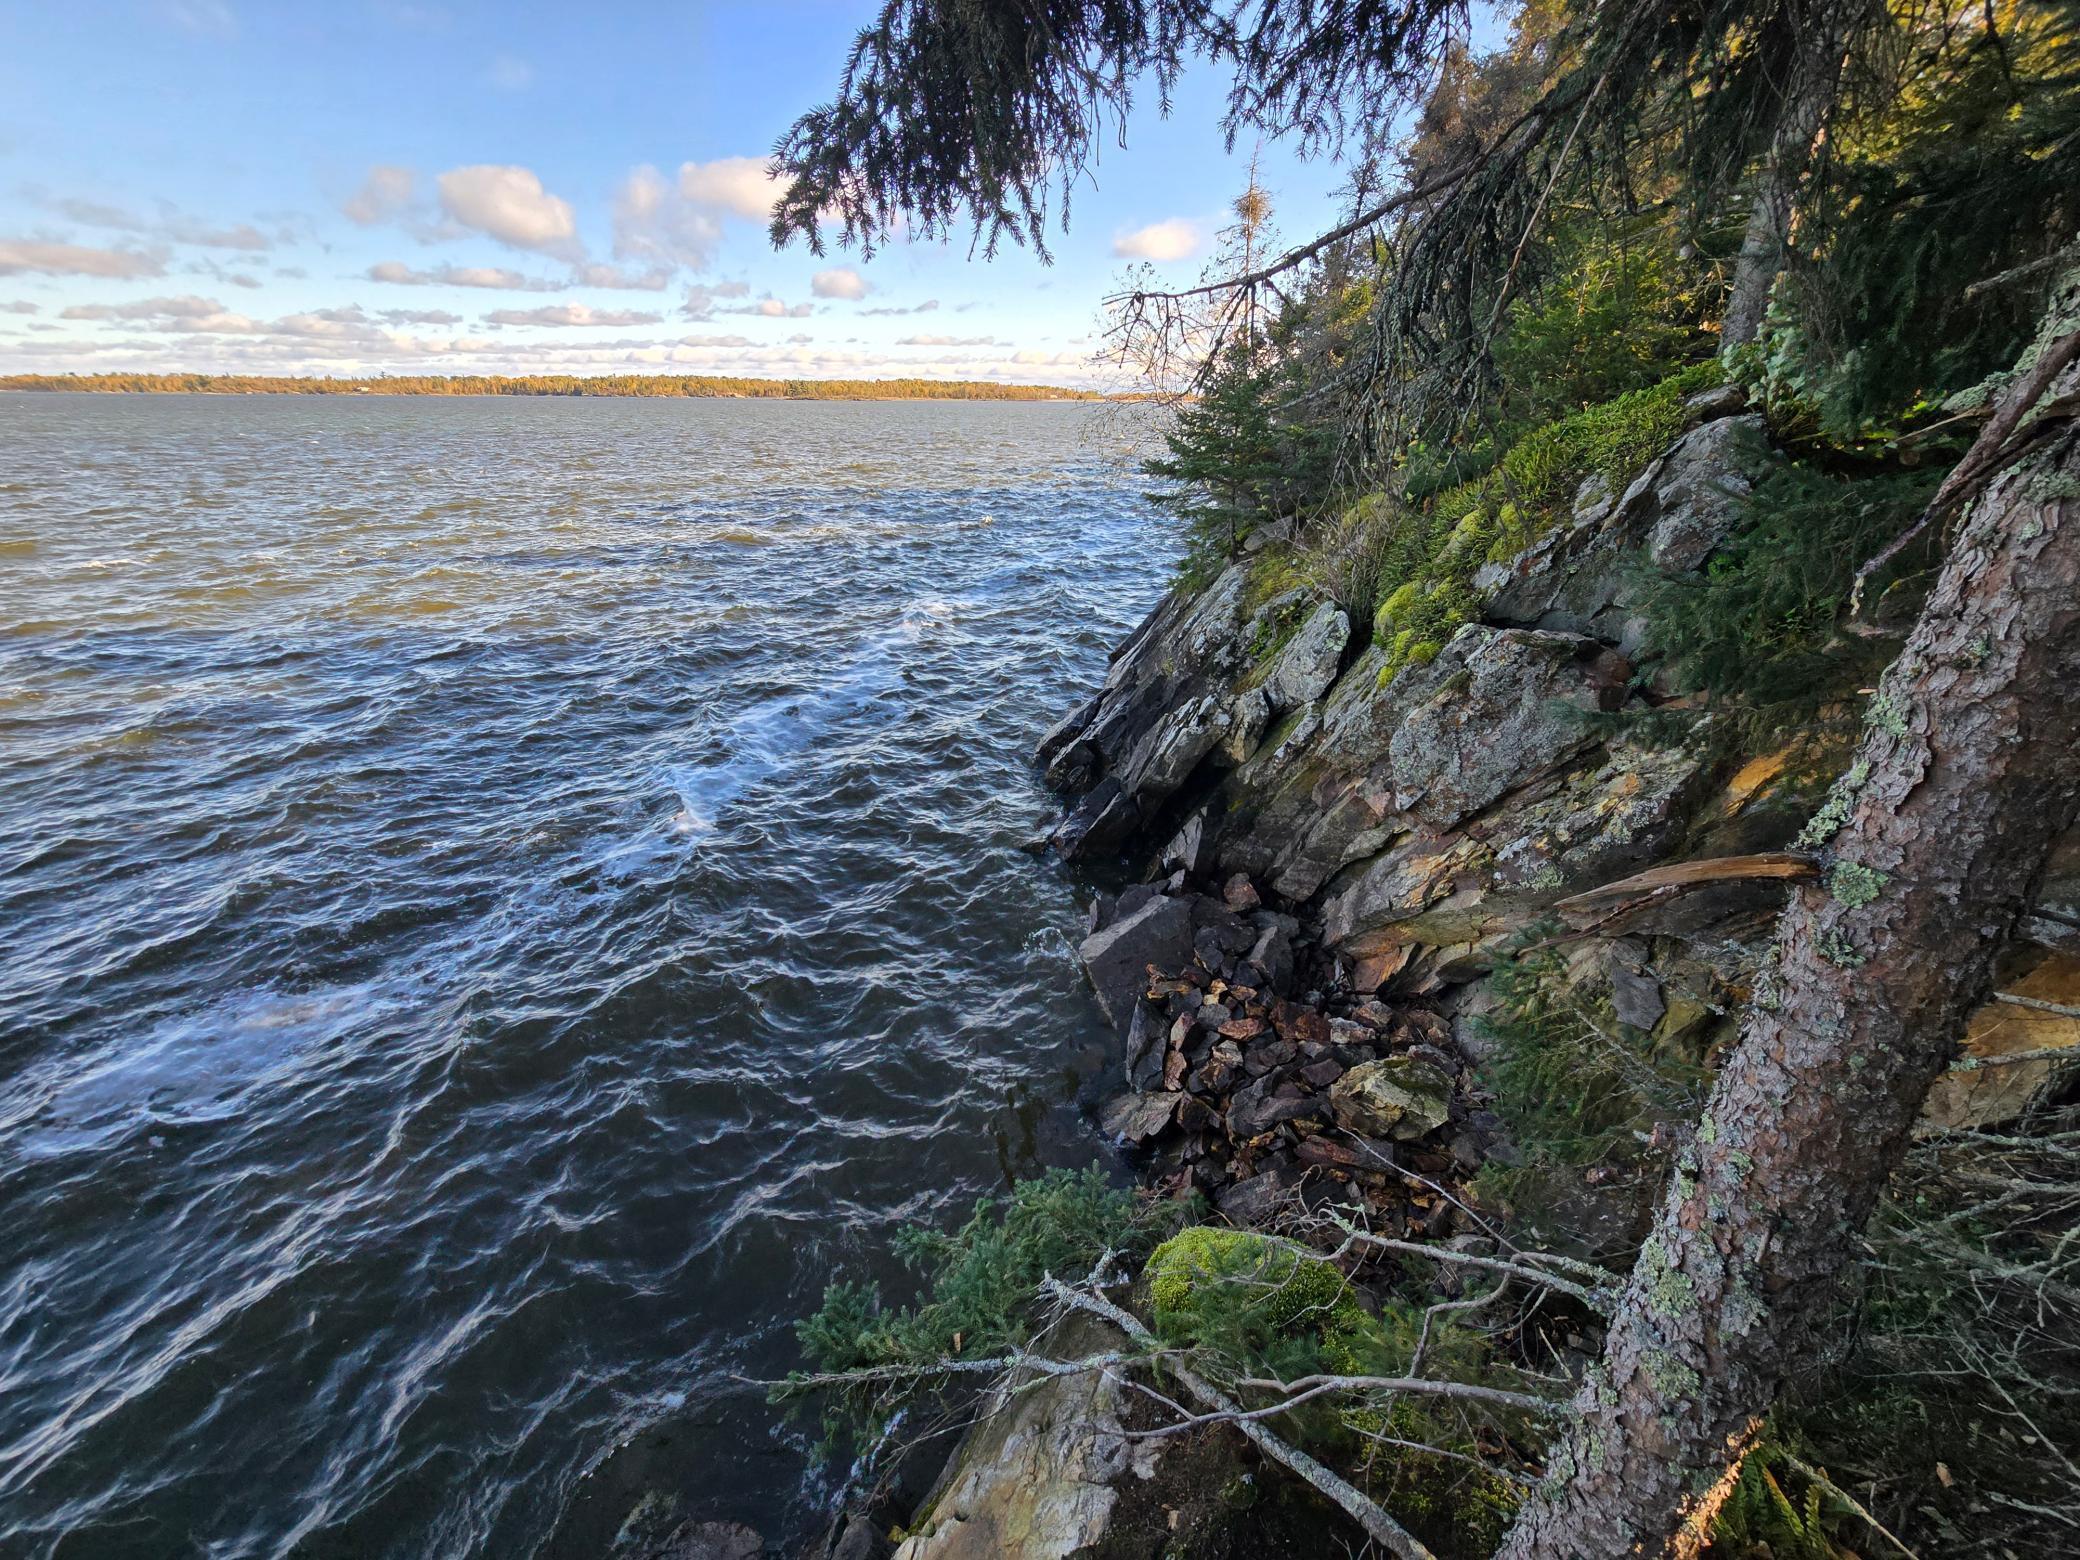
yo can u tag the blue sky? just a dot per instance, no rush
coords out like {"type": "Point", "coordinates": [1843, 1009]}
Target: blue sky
{"type": "Point", "coordinates": [437, 186]}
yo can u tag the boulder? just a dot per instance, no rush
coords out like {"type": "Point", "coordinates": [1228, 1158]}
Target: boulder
{"type": "Point", "coordinates": [1102, 821]}
{"type": "Point", "coordinates": [1148, 1039]}
{"type": "Point", "coordinates": [1139, 1117]}
{"type": "Point", "coordinates": [1256, 1108]}
{"type": "Point", "coordinates": [1395, 1097]}
{"type": "Point", "coordinates": [1578, 577]}
{"type": "Point", "coordinates": [1117, 958]}
{"type": "Point", "coordinates": [1305, 667]}
{"type": "Point", "coordinates": [1041, 1474]}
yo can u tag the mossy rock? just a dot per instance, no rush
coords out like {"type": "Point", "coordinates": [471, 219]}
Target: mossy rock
{"type": "Point", "coordinates": [1287, 1289]}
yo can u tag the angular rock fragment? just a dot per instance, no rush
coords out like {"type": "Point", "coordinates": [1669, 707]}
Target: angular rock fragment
{"type": "Point", "coordinates": [1117, 959]}
{"type": "Point", "coordinates": [1139, 1117]}
{"type": "Point", "coordinates": [1395, 1097]}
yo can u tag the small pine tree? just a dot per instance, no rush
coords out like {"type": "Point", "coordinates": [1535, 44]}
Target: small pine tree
{"type": "Point", "coordinates": [1226, 465]}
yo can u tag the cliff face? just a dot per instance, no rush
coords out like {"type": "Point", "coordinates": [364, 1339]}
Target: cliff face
{"type": "Point", "coordinates": [1413, 825]}
{"type": "Point", "coordinates": [1416, 822]}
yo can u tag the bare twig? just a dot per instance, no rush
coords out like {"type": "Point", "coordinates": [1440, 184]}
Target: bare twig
{"type": "Point", "coordinates": [1600, 1300]}
{"type": "Point", "coordinates": [2014, 999]}
{"type": "Point", "coordinates": [1313, 1386]}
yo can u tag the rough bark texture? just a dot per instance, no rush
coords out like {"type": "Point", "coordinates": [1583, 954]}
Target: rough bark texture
{"type": "Point", "coordinates": [1970, 770]}
{"type": "Point", "coordinates": [1809, 99]}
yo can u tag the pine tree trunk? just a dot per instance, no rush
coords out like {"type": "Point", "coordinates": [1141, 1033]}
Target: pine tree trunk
{"type": "Point", "coordinates": [1808, 103]}
{"type": "Point", "coordinates": [1970, 769]}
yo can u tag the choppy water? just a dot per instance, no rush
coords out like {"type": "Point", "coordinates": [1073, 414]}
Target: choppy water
{"type": "Point", "coordinates": [498, 899]}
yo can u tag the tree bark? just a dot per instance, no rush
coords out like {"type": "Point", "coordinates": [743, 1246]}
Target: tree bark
{"type": "Point", "coordinates": [1970, 769]}
{"type": "Point", "coordinates": [1807, 105]}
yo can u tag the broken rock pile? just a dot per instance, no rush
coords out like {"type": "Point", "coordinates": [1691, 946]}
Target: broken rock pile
{"type": "Point", "coordinates": [1250, 1082]}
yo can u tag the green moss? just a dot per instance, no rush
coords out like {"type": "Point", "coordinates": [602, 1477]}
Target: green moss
{"type": "Point", "coordinates": [1435, 544]}
{"type": "Point", "coordinates": [1278, 1286]}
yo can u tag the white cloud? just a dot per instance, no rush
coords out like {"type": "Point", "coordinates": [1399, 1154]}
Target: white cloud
{"type": "Point", "coordinates": [701, 300]}
{"type": "Point", "coordinates": [773, 309]}
{"type": "Point", "coordinates": [742, 186]}
{"type": "Point", "coordinates": [1171, 240]}
{"type": "Point", "coordinates": [839, 282]}
{"type": "Point", "coordinates": [493, 276]}
{"type": "Point", "coordinates": [23, 254]}
{"type": "Point", "coordinates": [19, 306]}
{"type": "Point", "coordinates": [509, 73]}
{"type": "Point", "coordinates": [654, 222]}
{"type": "Point", "coordinates": [421, 317]}
{"type": "Point", "coordinates": [385, 195]}
{"type": "Point", "coordinates": [570, 314]}
{"type": "Point", "coordinates": [510, 205]}
{"type": "Point", "coordinates": [929, 306]}
{"type": "Point", "coordinates": [598, 273]}
{"type": "Point", "coordinates": [947, 341]}
{"type": "Point", "coordinates": [170, 225]}
{"type": "Point", "coordinates": [187, 315]}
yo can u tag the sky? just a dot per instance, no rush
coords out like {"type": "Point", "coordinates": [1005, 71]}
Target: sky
{"type": "Point", "coordinates": [436, 186]}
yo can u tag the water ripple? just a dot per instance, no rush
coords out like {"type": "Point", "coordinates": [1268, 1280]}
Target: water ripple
{"type": "Point", "coordinates": [498, 900]}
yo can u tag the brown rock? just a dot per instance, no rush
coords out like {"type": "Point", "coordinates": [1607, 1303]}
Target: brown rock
{"type": "Point", "coordinates": [1240, 894]}
{"type": "Point", "coordinates": [1296, 1023]}
{"type": "Point", "coordinates": [1319, 1075]}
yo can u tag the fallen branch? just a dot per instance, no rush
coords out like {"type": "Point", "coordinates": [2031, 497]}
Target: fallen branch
{"type": "Point", "coordinates": [868, 1374]}
{"type": "Point", "coordinates": [2043, 1053]}
{"type": "Point", "coordinates": [1599, 1300]}
{"type": "Point", "coordinates": [2038, 1004]}
{"type": "Point", "coordinates": [1313, 1386]}
{"type": "Point", "coordinates": [1770, 864]}
{"type": "Point", "coordinates": [1378, 1526]}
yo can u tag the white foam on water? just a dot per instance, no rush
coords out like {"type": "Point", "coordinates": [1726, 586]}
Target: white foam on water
{"type": "Point", "coordinates": [758, 742]}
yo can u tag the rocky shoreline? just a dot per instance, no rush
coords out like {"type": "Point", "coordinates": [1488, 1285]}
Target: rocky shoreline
{"type": "Point", "coordinates": [1331, 854]}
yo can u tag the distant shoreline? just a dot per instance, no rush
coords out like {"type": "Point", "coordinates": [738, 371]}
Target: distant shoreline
{"type": "Point", "coordinates": [625, 386]}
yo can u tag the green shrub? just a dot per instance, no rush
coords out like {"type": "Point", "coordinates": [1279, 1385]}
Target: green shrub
{"type": "Point", "coordinates": [980, 1284]}
{"type": "Point", "coordinates": [1574, 1087]}
{"type": "Point", "coordinates": [1760, 625]}
{"type": "Point", "coordinates": [1619, 309]}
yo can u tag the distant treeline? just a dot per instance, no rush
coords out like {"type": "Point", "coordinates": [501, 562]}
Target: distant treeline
{"type": "Point", "coordinates": [553, 384]}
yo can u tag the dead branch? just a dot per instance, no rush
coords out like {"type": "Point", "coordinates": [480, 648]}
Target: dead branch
{"type": "Point", "coordinates": [1599, 1300]}
{"type": "Point", "coordinates": [1313, 1386]}
{"type": "Point", "coordinates": [1770, 864]}
{"type": "Point", "coordinates": [1989, 454]}
{"type": "Point", "coordinates": [2013, 999]}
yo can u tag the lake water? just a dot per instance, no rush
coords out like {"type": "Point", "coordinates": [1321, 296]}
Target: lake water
{"type": "Point", "coordinates": [501, 900]}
